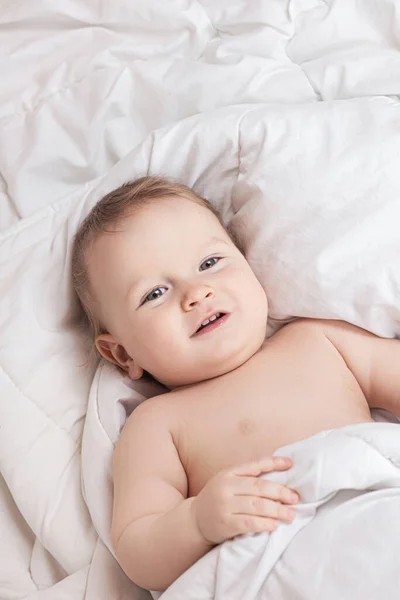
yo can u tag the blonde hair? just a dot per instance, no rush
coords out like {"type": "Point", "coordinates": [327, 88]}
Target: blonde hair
{"type": "Point", "coordinates": [107, 213]}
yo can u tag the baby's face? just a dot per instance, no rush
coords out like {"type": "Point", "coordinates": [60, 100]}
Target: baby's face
{"type": "Point", "coordinates": [176, 294]}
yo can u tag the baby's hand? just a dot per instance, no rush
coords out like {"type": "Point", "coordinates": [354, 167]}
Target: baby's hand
{"type": "Point", "coordinates": [237, 501]}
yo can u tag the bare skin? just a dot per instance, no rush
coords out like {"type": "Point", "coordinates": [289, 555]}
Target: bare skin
{"type": "Point", "coordinates": [187, 463]}
{"type": "Point", "coordinates": [295, 386]}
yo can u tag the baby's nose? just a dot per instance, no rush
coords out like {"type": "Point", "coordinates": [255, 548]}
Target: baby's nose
{"type": "Point", "coordinates": [196, 294]}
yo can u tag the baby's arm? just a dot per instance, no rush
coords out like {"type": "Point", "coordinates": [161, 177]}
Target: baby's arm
{"type": "Point", "coordinates": [158, 532]}
{"type": "Point", "coordinates": [154, 534]}
{"type": "Point", "coordinates": [374, 362]}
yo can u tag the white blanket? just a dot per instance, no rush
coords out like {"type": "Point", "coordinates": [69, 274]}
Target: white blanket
{"type": "Point", "coordinates": [284, 113]}
{"type": "Point", "coordinates": [344, 542]}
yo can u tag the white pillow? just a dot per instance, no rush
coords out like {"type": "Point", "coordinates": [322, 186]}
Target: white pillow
{"type": "Point", "coordinates": [314, 192]}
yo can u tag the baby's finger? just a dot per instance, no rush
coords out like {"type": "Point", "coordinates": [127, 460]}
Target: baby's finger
{"type": "Point", "coordinates": [265, 488]}
{"type": "Point", "coordinates": [253, 524]}
{"type": "Point", "coordinates": [261, 507]}
{"type": "Point", "coordinates": [264, 465]}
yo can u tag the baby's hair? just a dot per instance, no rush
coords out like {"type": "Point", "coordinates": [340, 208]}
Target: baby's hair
{"type": "Point", "coordinates": [106, 214]}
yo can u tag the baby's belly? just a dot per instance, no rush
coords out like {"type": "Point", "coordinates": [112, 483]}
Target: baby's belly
{"type": "Point", "coordinates": [226, 440]}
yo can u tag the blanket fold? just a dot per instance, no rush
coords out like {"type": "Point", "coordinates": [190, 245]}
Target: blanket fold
{"type": "Point", "coordinates": [345, 540]}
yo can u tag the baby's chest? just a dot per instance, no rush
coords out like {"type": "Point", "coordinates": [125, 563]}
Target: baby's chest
{"type": "Point", "coordinates": [240, 422]}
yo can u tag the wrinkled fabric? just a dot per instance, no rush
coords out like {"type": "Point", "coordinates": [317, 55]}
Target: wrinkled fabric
{"type": "Point", "coordinates": [283, 113]}
{"type": "Point", "coordinates": [345, 540]}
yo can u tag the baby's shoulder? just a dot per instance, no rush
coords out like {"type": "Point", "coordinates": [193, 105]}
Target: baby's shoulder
{"type": "Point", "coordinates": [150, 426]}
{"type": "Point", "coordinates": [149, 415]}
{"type": "Point", "coordinates": [308, 329]}
{"type": "Point", "coordinates": [155, 413]}
{"type": "Point", "coordinates": [300, 326]}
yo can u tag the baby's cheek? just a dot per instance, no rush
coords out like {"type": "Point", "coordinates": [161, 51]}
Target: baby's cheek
{"type": "Point", "coordinates": [259, 308]}
{"type": "Point", "coordinates": [159, 339]}
{"type": "Point", "coordinates": [254, 292]}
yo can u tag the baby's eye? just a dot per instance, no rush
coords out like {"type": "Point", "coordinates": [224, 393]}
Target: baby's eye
{"type": "Point", "coordinates": [154, 294]}
{"type": "Point", "coordinates": [210, 262]}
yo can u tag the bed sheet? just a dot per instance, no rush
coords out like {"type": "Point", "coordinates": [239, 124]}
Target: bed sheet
{"type": "Point", "coordinates": [95, 92]}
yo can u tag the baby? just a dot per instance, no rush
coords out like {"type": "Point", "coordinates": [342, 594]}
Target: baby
{"type": "Point", "coordinates": [169, 292]}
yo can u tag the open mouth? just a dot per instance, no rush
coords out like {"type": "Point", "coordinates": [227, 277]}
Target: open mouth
{"type": "Point", "coordinates": [208, 323]}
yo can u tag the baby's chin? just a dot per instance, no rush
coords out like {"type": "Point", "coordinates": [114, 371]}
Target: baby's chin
{"type": "Point", "coordinates": [215, 369]}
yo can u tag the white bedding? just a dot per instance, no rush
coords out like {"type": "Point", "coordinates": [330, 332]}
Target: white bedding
{"type": "Point", "coordinates": [344, 542]}
{"type": "Point", "coordinates": [285, 113]}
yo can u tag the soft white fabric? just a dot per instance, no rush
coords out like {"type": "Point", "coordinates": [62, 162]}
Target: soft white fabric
{"type": "Point", "coordinates": [284, 113]}
{"type": "Point", "coordinates": [344, 542]}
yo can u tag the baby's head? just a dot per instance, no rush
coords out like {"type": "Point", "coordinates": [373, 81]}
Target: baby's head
{"type": "Point", "coordinates": [164, 285]}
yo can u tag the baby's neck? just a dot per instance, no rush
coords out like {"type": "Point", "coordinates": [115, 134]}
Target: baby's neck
{"type": "Point", "coordinates": [208, 380]}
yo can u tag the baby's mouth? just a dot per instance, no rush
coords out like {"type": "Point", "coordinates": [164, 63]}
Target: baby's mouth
{"type": "Point", "coordinates": [207, 323]}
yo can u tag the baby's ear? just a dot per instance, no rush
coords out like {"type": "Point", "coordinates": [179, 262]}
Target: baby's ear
{"type": "Point", "coordinates": [114, 352]}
